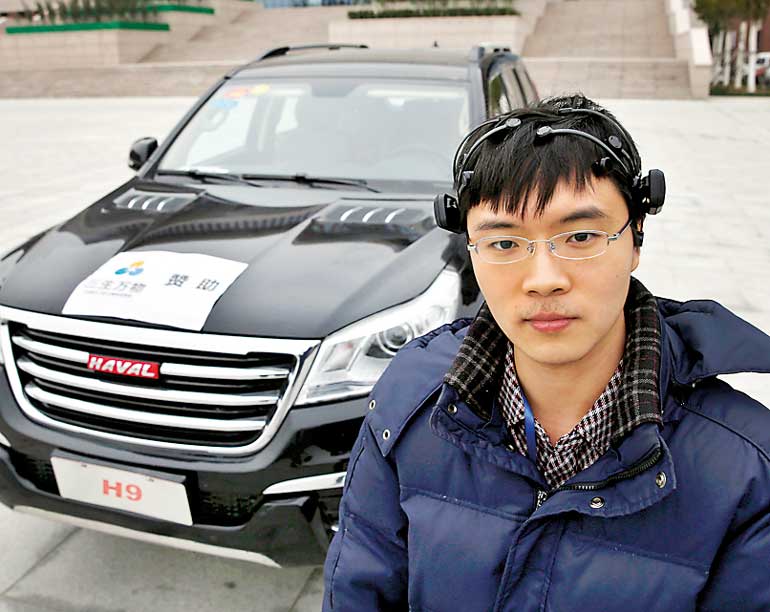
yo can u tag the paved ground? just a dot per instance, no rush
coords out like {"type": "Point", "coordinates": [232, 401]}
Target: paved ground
{"type": "Point", "coordinates": [713, 240]}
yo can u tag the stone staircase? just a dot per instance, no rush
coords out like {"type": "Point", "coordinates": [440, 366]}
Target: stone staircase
{"type": "Point", "coordinates": [242, 32]}
{"type": "Point", "coordinates": [251, 32]}
{"type": "Point", "coordinates": [606, 49]}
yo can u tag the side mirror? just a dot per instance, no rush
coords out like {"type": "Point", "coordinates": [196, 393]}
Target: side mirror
{"type": "Point", "coordinates": [140, 152]}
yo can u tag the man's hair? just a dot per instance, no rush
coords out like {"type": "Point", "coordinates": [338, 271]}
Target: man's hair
{"type": "Point", "coordinates": [514, 164]}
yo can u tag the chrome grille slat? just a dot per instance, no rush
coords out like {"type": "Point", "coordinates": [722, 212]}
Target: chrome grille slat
{"type": "Point", "coordinates": [144, 405]}
{"type": "Point", "coordinates": [49, 350]}
{"type": "Point", "coordinates": [190, 397]}
{"type": "Point", "coordinates": [224, 373]}
{"type": "Point", "coordinates": [169, 369]}
{"type": "Point", "coordinates": [148, 418]}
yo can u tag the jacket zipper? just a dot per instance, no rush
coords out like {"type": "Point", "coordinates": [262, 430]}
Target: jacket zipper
{"type": "Point", "coordinates": [634, 470]}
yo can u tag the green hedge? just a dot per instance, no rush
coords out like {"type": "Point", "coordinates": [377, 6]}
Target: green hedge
{"type": "Point", "coordinates": [72, 27]}
{"type": "Point", "coordinates": [439, 12]}
{"type": "Point", "coordinates": [182, 8]}
{"type": "Point", "coordinates": [721, 90]}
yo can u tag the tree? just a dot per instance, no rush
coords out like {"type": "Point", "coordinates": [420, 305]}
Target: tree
{"type": "Point", "coordinates": [717, 14]}
{"type": "Point", "coordinates": [50, 9]}
{"type": "Point", "coordinates": [75, 10]}
{"type": "Point", "coordinates": [40, 9]}
{"type": "Point", "coordinates": [740, 56]}
{"type": "Point", "coordinates": [63, 11]}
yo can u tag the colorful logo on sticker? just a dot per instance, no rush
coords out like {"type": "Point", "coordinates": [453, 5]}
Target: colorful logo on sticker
{"type": "Point", "coordinates": [134, 269]}
{"type": "Point", "coordinates": [225, 104]}
{"type": "Point", "coordinates": [258, 90]}
{"type": "Point", "coordinates": [236, 93]}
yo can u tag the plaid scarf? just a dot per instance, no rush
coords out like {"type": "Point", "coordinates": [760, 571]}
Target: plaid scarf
{"type": "Point", "coordinates": [477, 370]}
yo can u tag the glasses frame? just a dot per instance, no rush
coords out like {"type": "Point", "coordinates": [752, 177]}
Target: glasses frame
{"type": "Point", "coordinates": [531, 244]}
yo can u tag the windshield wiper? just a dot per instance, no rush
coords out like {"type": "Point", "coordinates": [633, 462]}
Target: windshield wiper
{"type": "Point", "coordinates": [205, 176]}
{"type": "Point", "coordinates": [310, 180]}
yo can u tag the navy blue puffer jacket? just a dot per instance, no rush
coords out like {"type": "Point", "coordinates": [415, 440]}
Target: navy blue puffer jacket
{"type": "Point", "coordinates": [438, 515]}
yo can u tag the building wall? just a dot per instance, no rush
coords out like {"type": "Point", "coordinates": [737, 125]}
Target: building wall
{"type": "Point", "coordinates": [764, 35]}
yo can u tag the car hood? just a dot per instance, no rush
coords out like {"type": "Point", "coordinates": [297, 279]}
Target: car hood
{"type": "Point", "coordinates": [318, 259]}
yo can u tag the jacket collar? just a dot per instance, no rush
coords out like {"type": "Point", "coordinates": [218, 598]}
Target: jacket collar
{"type": "Point", "coordinates": [701, 339]}
{"type": "Point", "coordinates": [621, 477]}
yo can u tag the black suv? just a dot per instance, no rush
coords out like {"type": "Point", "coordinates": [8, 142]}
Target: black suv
{"type": "Point", "coordinates": [187, 360]}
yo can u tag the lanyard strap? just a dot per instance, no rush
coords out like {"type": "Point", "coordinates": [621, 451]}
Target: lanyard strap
{"type": "Point", "coordinates": [529, 430]}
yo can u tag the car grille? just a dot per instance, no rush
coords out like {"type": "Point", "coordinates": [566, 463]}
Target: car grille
{"type": "Point", "coordinates": [202, 400]}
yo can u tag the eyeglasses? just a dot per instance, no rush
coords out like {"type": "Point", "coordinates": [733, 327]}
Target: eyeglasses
{"type": "Point", "coordinates": [575, 245]}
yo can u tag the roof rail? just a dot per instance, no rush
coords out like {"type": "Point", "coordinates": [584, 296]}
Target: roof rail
{"type": "Point", "coordinates": [278, 51]}
{"type": "Point", "coordinates": [482, 49]}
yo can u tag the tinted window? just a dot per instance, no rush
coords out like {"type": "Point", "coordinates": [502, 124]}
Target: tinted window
{"type": "Point", "coordinates": [515, 91]}
{"type": "Point", "coordinates": [498, 95]}
{"type": "Point", "coordinates": [337, 127]}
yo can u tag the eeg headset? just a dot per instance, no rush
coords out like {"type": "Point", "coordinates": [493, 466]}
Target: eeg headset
{"type": "Point", "coordinates": [647, 192]}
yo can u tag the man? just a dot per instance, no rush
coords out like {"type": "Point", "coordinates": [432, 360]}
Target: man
{"type": "Point", "coordinates": [570, 448]}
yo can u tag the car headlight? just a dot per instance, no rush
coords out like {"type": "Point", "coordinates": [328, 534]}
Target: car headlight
{"type": "Point", "coordinates": [7, 261]}
{"type": "Point", "coordinates": [350, 361]}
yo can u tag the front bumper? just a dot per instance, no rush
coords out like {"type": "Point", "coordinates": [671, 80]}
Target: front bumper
{"type": "Point", "coordinates": [275, 507]}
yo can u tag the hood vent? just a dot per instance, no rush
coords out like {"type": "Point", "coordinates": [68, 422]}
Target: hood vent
{"type": "Point", "coordinates": [373, 215]}
{"type": "Point", "coordinates": [153, 202]}
{"type": "Point", "coordinates": [399, 224]}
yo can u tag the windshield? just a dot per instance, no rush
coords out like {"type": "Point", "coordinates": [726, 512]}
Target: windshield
{"type": "Point", "coordinates": [390, 129]}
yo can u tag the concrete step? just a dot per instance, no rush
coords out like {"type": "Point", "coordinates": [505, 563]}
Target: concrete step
{"type": "Point", "coordinates": [606, 48]}
{"type": "Point", "coordinates": [206, 51]}
{"type": "Point", "coordinates": [597, 78]}
{"type": "Point", "coordinates": [190, 79]}
{"type": "Point", "coordinates": [615, 28]}
{"type": "Point", "coordinates": [253, 32]}
{"type": "Point", "coordinates": [653, 49]}
{"type": "Point", "coordinates": [615, 78]}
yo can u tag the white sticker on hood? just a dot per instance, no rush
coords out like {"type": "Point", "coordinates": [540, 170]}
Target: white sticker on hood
{"type": "Point", "coordinates": [176, 289]}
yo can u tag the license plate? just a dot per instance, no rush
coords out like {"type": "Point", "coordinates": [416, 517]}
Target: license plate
{"type": "Point", "coordinates": [122, 489]}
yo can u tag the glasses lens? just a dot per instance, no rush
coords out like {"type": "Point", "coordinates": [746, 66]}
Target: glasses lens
{"type": "Point", "coordinates": [502, 249]}
{"type": "Point", "coordinates": [581, 244]}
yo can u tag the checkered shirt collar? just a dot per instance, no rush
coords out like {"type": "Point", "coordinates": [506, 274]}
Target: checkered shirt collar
{"type": "Point", "coordinates": [575, 450]}
{"type": "Point", "coordinates": [595, 427]}
{"type": "Point", "coordinates": [477, 370]}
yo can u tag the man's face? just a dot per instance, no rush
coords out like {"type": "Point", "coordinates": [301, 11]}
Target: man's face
{"type": "Point", "coordinates": [587, 295]}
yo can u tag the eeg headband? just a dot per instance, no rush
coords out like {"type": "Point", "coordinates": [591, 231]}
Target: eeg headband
{"type": "Point", "coordinates": [647, 192]}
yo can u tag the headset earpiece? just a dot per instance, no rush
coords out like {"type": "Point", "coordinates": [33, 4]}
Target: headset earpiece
{"type": "Point", "coordinates": [657, 191]}
{"type": "Point", "coordinates": [650, 192]}
{"type": "Point", "coordinates": [446, 210]}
